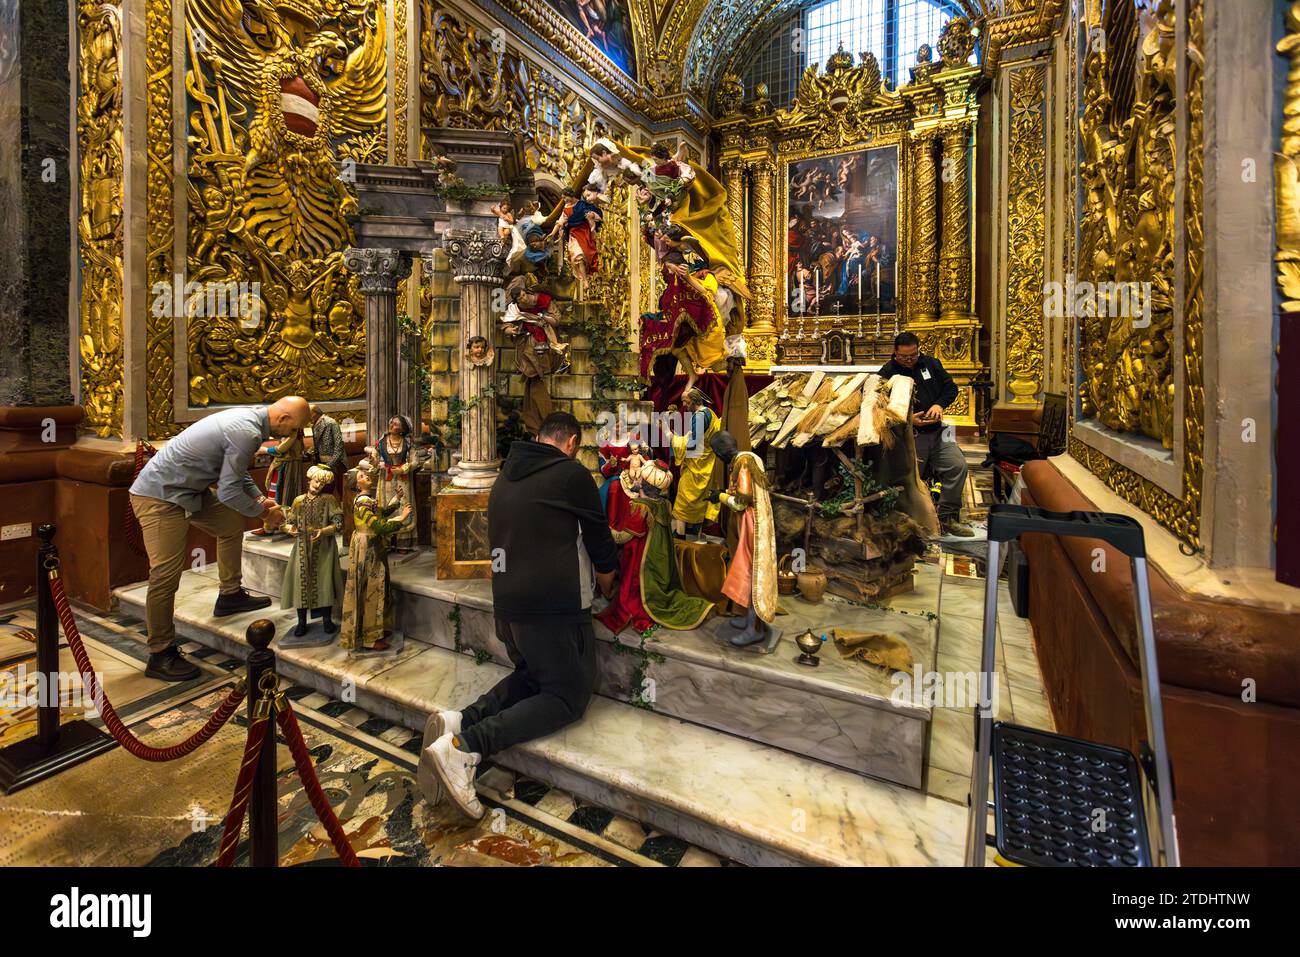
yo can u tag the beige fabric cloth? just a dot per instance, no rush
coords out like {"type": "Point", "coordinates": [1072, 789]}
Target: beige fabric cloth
{"type": "Point", "coordinates": [165, 528]}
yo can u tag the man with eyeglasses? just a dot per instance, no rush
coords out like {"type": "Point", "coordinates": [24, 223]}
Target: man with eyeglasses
{"type": "Point", "coordinates": [938, 457]}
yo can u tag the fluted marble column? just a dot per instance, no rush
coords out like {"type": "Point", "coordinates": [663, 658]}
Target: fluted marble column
{"type": "Point", "coordinates": [954, 261]}
{"type": "Point", "coordinates": [478, 262]}
{"type": "Point", "coordinates": [379, 271]}
{"type": "Point", "coordinates": [923, 294]}
{"type": "Point", "coordinates": [760, 336]}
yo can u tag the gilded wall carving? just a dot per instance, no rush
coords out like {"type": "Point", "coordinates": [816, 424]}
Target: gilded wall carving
{"type": "Point", "coordinates": [100, 216]}
{"type": "Point", "coordinates": [1131, 237]}
{"type": "Point", "coordinates": [1127, 236]}
{"type": "Point", "coordinates": [1026, 233]}
{"type": "Point", "coordinates": [160, 220]}
{"type": "Point", "coordinates": [1286, 171]}
{"type": "Point", "coordinates": [267, 203]}
{"type": "Point", "coordinates": [401, 65]}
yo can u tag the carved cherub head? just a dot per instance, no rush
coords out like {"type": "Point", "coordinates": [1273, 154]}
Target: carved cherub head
{"type": "Point", "coordinates": [478, 351]}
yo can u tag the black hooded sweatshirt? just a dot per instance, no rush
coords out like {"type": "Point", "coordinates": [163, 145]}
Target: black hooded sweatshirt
{"type": "Point", "coordinates": [544, 515]}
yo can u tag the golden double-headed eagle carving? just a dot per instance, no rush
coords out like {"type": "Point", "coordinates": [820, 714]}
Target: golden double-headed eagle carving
{"type": "Point", "coordinates": [282, 95]}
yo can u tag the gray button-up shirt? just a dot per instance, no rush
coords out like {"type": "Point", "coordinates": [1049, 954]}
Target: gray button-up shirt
{"type": "Point", "coordinates": [216, 450]}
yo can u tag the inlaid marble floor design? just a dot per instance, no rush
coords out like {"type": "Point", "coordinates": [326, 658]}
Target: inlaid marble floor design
{"type": "Point", "coordinates": [366, 764]}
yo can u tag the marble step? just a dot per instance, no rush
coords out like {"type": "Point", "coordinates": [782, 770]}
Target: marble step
{"type": "Point", "coordinates": [842, 712]}
{"type": "Point", "coordinates": [756, 804]}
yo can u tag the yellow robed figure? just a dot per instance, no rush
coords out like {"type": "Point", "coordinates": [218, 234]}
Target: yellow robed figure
{"type": "Point", "coordinates": [694, 455]}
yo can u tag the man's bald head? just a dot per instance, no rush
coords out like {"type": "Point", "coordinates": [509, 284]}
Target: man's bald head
{"type": "Point", "coordinates": [289, 414]}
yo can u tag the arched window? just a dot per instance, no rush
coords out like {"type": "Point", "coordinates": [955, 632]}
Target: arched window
{"type": "Point", "coordinates": [891, 29]}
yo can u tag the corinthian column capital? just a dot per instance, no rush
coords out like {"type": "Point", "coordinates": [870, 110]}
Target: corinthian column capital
{"type": "Point", "coordinates": [476, 256]}
{"type": "Point", "coordinates": [378, 270]}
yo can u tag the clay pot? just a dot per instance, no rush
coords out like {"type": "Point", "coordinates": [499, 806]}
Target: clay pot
{"type": "Point", "coordinates": [785, 579]}
{"type": "Point", "coordinates": [812, 584]}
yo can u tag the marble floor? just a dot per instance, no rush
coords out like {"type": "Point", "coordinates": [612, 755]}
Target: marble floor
{"type": "Point", "coordinates": [170, 814]}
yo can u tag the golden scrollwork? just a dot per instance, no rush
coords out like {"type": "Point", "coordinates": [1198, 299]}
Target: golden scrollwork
{"type": "Point", "coordinates": [1127, 237]}
{"type": "Point", "coordinates": [401, 64]}
{"type": "Point", "coordinates": [1116, 233]}
{"type": "Point", "coordinates": [1026, 233]}
{"type": "Point", "coordinates": [837, 98]}
{"type": "Point", "coordinates": [160, 220]}
{"type": "Point", "coordinates": [760, 337]}
{"type": "Point", "coordinates": [610, 285]}
{"type": "Point", "coordinates": [268, 204]}
{"type": "Point", "coordinates": [1286, 188]}
{"type": "Point", "coordinates": [100, 216]}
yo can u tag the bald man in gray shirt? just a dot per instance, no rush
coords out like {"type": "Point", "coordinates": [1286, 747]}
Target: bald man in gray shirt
{"type": "Point", "coordinates": [201, 478]}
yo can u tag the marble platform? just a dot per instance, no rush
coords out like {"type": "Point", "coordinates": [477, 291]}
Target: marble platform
{"type": "Point", "coordinates": [749, 801]}
{"type": "Point", "coordinates": [842, 712]}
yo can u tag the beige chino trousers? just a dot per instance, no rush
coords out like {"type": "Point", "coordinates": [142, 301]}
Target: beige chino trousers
{"type": "Point", "coordinates": [166, 528]}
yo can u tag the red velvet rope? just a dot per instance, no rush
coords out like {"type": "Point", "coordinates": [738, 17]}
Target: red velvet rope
{"type": "Point", "coordinates": [257, 736]}
{"type": "Point", "coordinates": [320, 804]}
{"type": "Point", "coordinates": [114, 724]}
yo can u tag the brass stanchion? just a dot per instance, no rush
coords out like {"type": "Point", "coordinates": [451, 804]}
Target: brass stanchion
{"type": "Point", "coordinates": [55, 746]}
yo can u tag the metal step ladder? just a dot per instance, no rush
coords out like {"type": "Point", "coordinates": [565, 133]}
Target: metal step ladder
{"type": "Point", "coordinates": [1060, 801]}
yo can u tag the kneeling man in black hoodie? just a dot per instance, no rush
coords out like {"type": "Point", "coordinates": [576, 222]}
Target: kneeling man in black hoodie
{"type": "Point", "coordinates": [546, 526]}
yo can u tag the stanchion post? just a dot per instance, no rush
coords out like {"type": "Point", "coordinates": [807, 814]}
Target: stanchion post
{"type": "Point", "coordinates": [263, 836]}
{"type": "Point", "coordinates": [55, 747]}
{"type": "Point", "coordinates": [47, 643]}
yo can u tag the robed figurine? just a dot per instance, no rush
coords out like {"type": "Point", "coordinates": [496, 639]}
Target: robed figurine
{"type": "Point", "coordinates": [751, 577]}
{"type": "Point", "coordinates": [650, 585]}
{"type": "Point", "coordinates": [367, 596]}
{"type": "Point", "coordinates": [313, 578]}
{"type": "Point", "coordinates": [693, 454]}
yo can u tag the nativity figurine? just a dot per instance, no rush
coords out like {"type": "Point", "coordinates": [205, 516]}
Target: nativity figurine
{"type": "Point", "coordinates": [284, 478]}
{"type": "Point", "coordinates": [532, 319]}
{"type": "Point", "coordinates": [751, 576]}
{"type": "Point", "coordinates": [393, 460]}
{"type": "Point", "coordinates": [313, 577]}
{"type": "Point", "coordinates": [650, 586]}
{"type": "Point", "coordinates": [694, 456]}
{"type": "Point", "coordinates": [368, 611]}
{"type": "Point", "coordinates": [582, 221]}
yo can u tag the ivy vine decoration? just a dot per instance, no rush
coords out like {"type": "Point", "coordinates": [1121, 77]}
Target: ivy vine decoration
{"type": "Point", "coordinates": [463, 192]}
{"type": "Point", "coordinates": [644, 658]}
{"type": "Point", "coordinates": [412, 354]}
{"type": "Point", "coordinates": [606, 342]}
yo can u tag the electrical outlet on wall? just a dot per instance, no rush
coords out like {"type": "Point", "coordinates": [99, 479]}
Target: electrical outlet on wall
{"type": "Point", "coordinates": [10, 532]}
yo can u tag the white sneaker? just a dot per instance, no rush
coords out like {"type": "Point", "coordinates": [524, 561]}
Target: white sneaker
{"type": "Point", "coordinates": [455, 770]}
{"type": "Point", "coordinates": [439, 723]}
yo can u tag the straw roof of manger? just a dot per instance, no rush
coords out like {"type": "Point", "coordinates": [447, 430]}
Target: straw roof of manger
{"type": "Point", "coordinates": [798, 407]}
